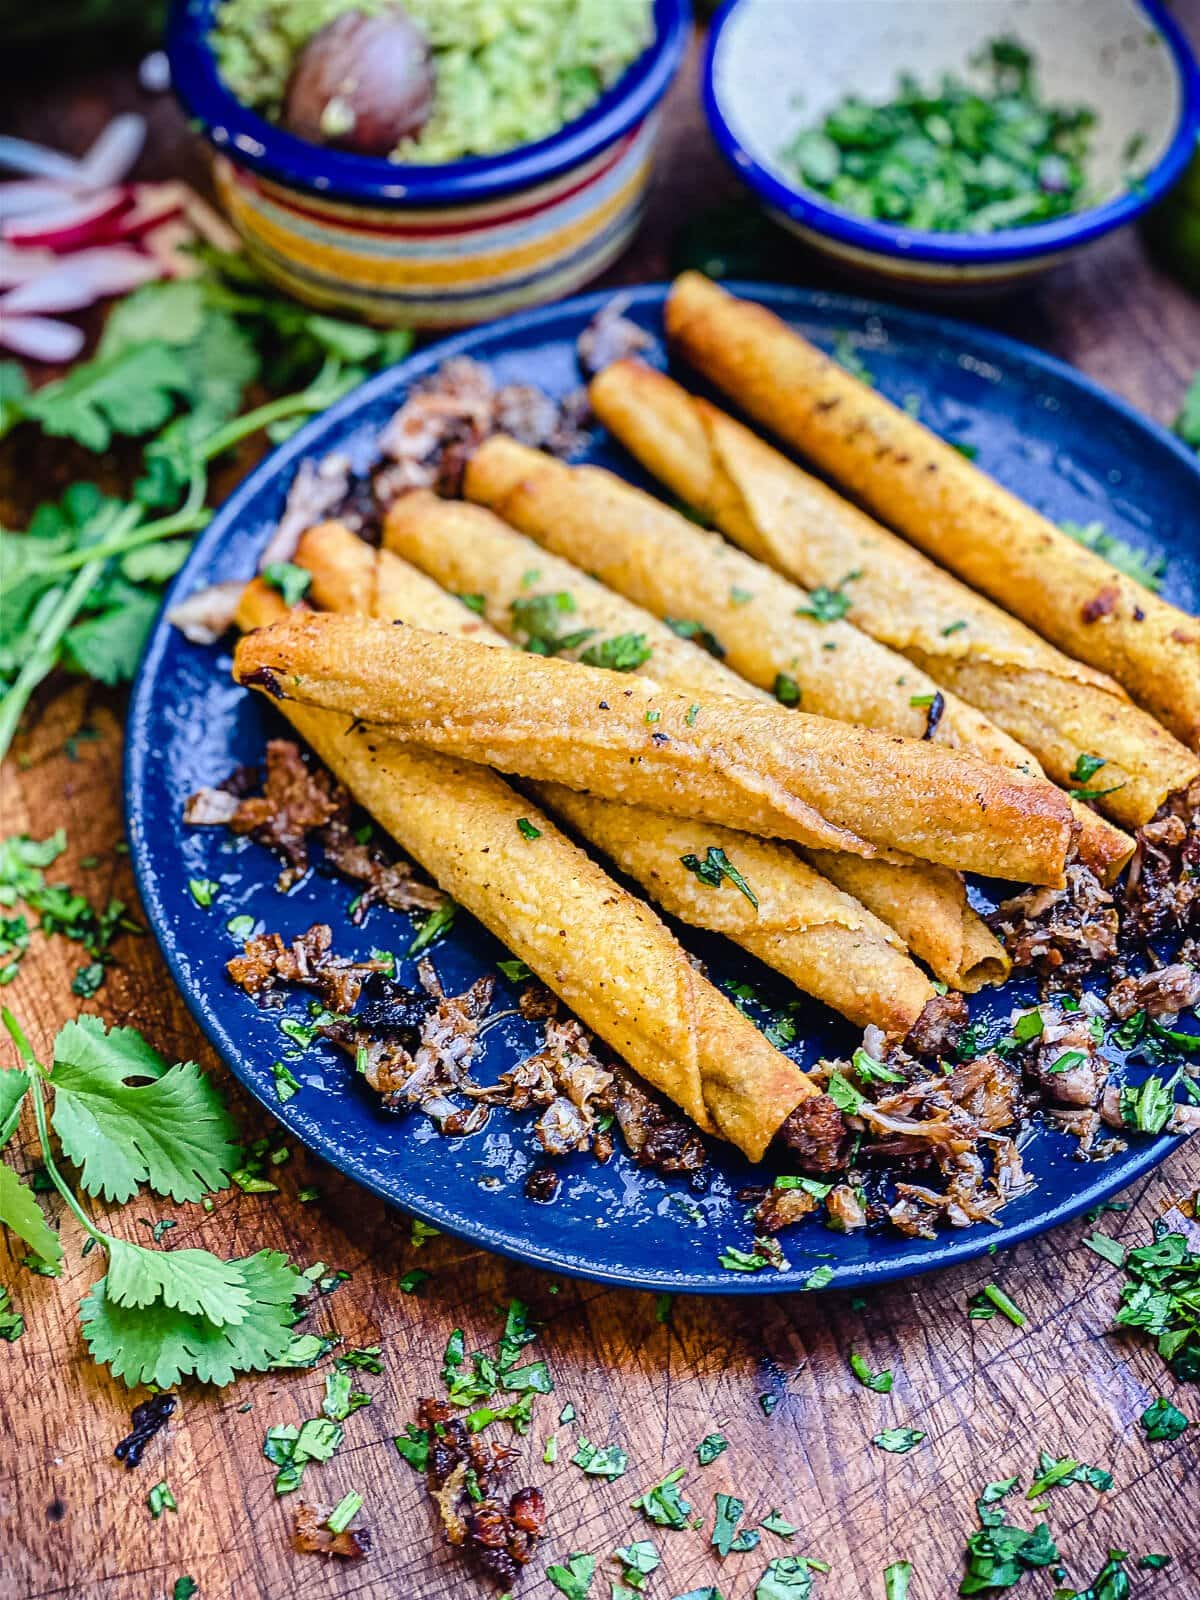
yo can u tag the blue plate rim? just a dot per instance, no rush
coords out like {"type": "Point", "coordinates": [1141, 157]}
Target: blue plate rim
{"type": "Point", "coordinates": [933, 1255]}
{"type": "Point", "coordinates": [249, 140]}
{"type": "Point", "coordinates": [1013, 245]}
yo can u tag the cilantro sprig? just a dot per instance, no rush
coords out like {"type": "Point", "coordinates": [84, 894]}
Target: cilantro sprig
{"type": "Point", "coordinates": [173, 371]}
{"type": "Point", "coordinates": [125, 1118]}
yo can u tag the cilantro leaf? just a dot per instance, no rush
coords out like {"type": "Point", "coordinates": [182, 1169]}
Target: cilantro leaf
{"type": "Point", "coordinates": [575, 1579]}
{"type": "Point", "coordinates": [664, 1504]}
{"type": "Point", "coordinates": [20, 1211]}
{"type": "Point", "coordinates": [14, 1085]}
{"type": "Point", "coordinates": [132, 391]}
{"type": "Point", "coordinates": [624, 653]}
{"type": "Point", "coordinates": [160, 1345]}
{"type": "Point", "coordinates": [710, 1447]}
{"type": "Point", "coordinates": [172, 1132]}
{"type": "Point", "coordinates": [600, 1461]}
{"type": "Point", "coordinates": [108, 646]}
{"type": "Point", "coordinates": [184, 1280]}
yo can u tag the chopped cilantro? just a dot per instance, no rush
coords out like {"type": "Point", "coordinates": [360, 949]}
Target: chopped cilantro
{"type": "Point", "coordinates": [715, 868]}
{"type": "Point", "coordinates": [435, 926]}
{"type": "Point", "coordinates": [663, 1503]}
{"type": "Point", "coordinates": [896, 1578]}
{"type": "Point", "coordinates": [880, 1382]}
{"type": "Point", "coordinates": [1162, 1420]}
{"type": "Point", "coordinates": [710, 1447]}
{"type": "Point", "coordinates": [868, 1070]}
{"type": "Point", "coordinates": [286, 1083]}
{"type": "Point", "coordinates": [698, 634]}
{"type": "Point", "coordinates": [789, 1578]}
{"type": "Point", "coordinates": [740, 597]}
{"type": "Point", "coordinates": [725, 1537]}
{"type": "Point", "coordinates": [413, 1447]}
{"type": "Point", "coordinates": [777, 1523]}
{"type": "Point", "coordinates": [344, 1513]}
{"type": "Point", "coordinates": [898, 1441]}
{"type": "Point", "coordinates": [607, 1461]}
{"type": "Point", "coordinates": [161, 1499]}
{"type": "Point", "coordinates": [537, 618]}
{"type": "Point", "coordinates": [240, 927]}
{"type": "Point", "coordinates": [474, 602]}
{"type": "Point", "coordinates": [786, 690]}
{"type": "Point", "coordinates": [573, 1580]}
{"type": "Point", "coordinates": [844, 1095]}
{"type": "Point", "coordinates": [693, 711]}
{"type": "Point", "coordinates": [412, 1280]}
{"type": "Point", "coordinates": [292, 582]}
{"type": "Point", "coordinates": [527, 830]}
{"type": "Point", "coordinates": [662, 1307]}
{"type": "Point", "coordinates": [654, 716]}
{"type": "Point", "coordinates": [204, 891]}
{"type": "Point", "coordinates": [990, 1299]}
{"type": "Point", "coordinates": [999, 1555]}
{"type": "Point", "coordinates": [1137, 564]}
{"type": "Point", "coordinates": [12, 1323]}
{"type": "Point", "coordinates": [515, 971]}
{"type": "Point", "coordinates": [625, 653]}
{"type": "Point", "coordinates": [829, 605]}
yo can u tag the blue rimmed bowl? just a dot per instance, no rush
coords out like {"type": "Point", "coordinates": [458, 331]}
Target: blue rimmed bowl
{"type": "Point", "coordinates": [431, 246]}
{"type": "Point", "coordinates": [773, 69]}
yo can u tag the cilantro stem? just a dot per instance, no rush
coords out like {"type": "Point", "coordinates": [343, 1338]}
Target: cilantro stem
{"type": "Point", "coordinates": [191, 516]}
{"type": "Point", "coordinates": [37, 1073]}
{"type": "Point", "coordinates": [42, 658]}
{"type": "Point", "coordinates": [313, 398]}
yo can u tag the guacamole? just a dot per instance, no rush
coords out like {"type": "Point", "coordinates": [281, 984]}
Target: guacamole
{"type": "Point", "coordinates": [508, 72]}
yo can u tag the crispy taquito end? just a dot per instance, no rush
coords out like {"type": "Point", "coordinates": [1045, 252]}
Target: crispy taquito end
{"type": "Point", "coordinates": [926, 489]}
{"type": "Point", "coordinates": [350, 575]}
{"type": "Point", "coordinates": [929, 910]}
{"type": "Point", "coordinates": [752, 767]}
{"type": "Point", "coordinates": [769, 630]}
{"type": "Point", "coordinates": [797, 524]}
{"type": "Point", "coordinates": [470, 550]}
{"type": "Point", "coordinates": [599, 948]}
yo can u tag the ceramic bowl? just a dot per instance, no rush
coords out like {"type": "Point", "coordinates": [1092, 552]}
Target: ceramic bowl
{"type": "Point", "coordinates": [431, 246]}
{"type": "Point", "coordinates": [773, 68]}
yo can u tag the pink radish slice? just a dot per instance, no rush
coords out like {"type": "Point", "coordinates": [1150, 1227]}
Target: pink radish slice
{"type": "Point", "coordinates": [83, 222]}
{"type": "Point", "coordinates": [80, 280]}
{"type": "Point", "coordinates": [19, 266]}
{"type": "Point", "coordinates": [37, 160]}
{"type": "Point", "coordinates": [114, 152]}
{"type": "Point", "coordinates": [26, 197]}
{"type": "Point", "coordinates": [154, 204]}
{"type": "Point", "coordinates": [41, 339]}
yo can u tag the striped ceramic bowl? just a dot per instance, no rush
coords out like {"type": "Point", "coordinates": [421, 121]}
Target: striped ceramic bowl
{"type": "Point", "coordinates": [432, 246]}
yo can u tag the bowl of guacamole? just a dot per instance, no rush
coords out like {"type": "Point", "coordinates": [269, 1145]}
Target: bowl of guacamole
{"type": "Point", "coordinates": [429, 162]}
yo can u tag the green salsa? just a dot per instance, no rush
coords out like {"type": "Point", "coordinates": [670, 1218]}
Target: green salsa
{"type": "Point", "coordinates": [954, 158]}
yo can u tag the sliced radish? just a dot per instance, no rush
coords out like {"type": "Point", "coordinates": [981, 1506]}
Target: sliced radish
{"type": "Point", "coordinates": [80, 280]}
{"type": "Point", "coordinates": [114, 152]}
{"type": "Point", "coordinates": [26, 197]}
{"type": "Point", "coordinates": [154, 204]}
{"type": "Point", "coordinates": [38, 160]}
{"type": "Point", "coordinates": [19, 266]}
{"type": "Point", "coordinates": [40, 339]}
{"type": "Point", "coordinates": [81, 222]}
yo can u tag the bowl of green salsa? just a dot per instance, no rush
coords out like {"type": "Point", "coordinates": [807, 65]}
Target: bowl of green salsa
{"type": "Point", "coordinates": [941, 143]}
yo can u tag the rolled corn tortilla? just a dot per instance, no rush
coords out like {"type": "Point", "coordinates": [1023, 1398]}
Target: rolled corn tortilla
{"type": "Point", "coordinates": [768, 628]}
{"type": "Point", "coordinates": [797, 524]}
{"type": "Point", "coordinates": [943, 503]}
{"type": "Point", "coordinates": [717, 759]}
{"type": "Point", "coordinates": [600, 949]}
{"type": "Point", "coordinates": [469, 550]}
{"type": "Point", "coordinates": [813, 933]}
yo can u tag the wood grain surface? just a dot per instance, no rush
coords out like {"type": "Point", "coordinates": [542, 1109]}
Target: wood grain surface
{"type": "Point", "coordinates": [74, 1522]}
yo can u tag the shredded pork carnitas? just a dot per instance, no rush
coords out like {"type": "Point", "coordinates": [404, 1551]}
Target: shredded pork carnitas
{"type": "Point", "coordinates": [1162, 890]}
{"type": "Point", "coordinates": [300, 802]}
{"type": "Point", "coordinates": [464, 1476]}
{"type": "Point", "coordinates": [1061, 934]}
{"type": "Point", "coordinates": [429, 441]}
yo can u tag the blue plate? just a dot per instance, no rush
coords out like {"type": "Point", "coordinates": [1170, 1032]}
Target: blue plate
{"type": "Point", "coordinates": [1071, 449]}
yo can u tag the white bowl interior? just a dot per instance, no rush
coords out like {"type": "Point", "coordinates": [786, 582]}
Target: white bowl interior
{"type": "Point", "coordinates": [781, 65]}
